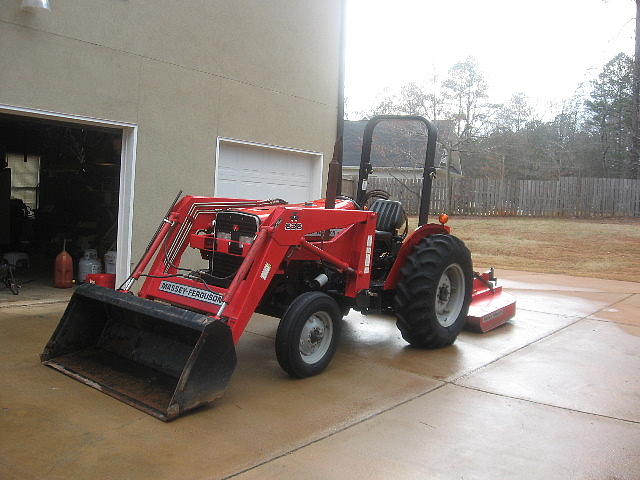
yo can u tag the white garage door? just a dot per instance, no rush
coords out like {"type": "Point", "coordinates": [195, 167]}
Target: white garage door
{"type": "Point", "coordinates": [247, 170]}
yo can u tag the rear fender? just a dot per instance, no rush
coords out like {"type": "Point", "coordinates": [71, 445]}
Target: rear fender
{"type": "Point", "coordinates": [412, 240]}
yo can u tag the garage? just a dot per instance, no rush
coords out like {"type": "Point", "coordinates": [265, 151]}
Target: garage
{"type": "Point", "coordinates": [60, 189]}
{"type": "Point", "coordinates": [258, 171]}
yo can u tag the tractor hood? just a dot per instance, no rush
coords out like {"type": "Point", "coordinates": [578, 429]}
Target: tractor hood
{"type": "Point", "coordinates": [264, 212]}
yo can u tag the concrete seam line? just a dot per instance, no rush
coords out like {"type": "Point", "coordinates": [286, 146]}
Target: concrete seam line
{"type": "Point", "coordinates": [33, 303]}
{"type": "Point", "coordinates": [613, 321]}
{"type": "Point", "coordinates": [548, 313]}
{"type": "Point", "coordinates": [262, 335]}
{"type": "Point", "coordinates": [635, 422]}
{"type": "Point", "coordinates": [342, 429]}
{"type": "Point", "coordinates": [628, 295]}
{"type": "Point", "coordinates": [139, 55]}
{"type": "Point", "coordinates": [578, 319]}
{"type": "Point", "coordinates": [475, 370]}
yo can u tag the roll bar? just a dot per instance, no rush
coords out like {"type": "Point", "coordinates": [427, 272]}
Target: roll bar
{"type": "Point", "coordinates": [429, 168]}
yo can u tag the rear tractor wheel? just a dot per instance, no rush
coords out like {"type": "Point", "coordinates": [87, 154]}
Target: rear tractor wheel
{"type": "Point", "coordinates": [433, 296]}
{"type": "Point", "coordinates": [307, 335]}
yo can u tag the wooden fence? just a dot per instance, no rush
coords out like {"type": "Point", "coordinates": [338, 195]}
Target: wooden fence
{"type": "Point", "coordinates": [567, 196]}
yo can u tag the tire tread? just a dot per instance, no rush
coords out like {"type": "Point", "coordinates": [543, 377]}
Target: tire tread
{"type": "Point", "coordinates": [288, 333]}
{"type": "Point", "coordinates": [414, 300]}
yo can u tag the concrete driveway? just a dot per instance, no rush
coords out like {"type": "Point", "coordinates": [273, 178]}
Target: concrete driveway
{"type": "Point", "coordinates": [553, 394]}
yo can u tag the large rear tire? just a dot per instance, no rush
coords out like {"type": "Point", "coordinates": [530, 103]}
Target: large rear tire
{"type": "Point", "coordinates": [307, 334]}
{"type": "Point", "coordinates": [433, 295]}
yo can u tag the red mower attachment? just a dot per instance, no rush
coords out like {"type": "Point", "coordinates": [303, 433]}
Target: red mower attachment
{"type": "Point", "coordinates": [490, 306]}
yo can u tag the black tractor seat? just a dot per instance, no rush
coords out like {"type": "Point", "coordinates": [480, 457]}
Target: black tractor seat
{"type": "Point", "coordinates": [390, 215]}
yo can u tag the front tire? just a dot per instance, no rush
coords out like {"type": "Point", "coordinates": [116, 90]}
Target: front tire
{"type": "Point", "coordinates": [307, 334]}
{"type": "Point", "coordinates": [433, 296]}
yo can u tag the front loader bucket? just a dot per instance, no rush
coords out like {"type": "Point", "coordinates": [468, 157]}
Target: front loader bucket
{"type": "Point", "coordinates": [160, 359]}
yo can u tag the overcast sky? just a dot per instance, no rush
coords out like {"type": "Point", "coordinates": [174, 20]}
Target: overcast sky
{"type": "Point", "coordinates": [544, 48]}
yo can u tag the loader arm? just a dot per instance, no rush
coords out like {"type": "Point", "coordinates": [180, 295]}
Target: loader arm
{"type": "Point", "coordinates": [190, 215]}
{"type": "Point", "coordinates": [281, 238]}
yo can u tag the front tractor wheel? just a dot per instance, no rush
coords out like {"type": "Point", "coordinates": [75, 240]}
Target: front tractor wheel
{"type": "Point", "coordinates": [307, 334]}
{"type": "Point", "coordinates": [433, 296]}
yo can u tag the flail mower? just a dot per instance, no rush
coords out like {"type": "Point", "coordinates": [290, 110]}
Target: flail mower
{"type": "Point", "coordinates": [171, 347]}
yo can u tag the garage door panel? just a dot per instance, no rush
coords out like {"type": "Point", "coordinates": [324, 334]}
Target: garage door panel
{"type": "Point", "coordinates": [261, 191]}
{"type": "Point", "coordinates": [264, 172]}
{"type": "Point", "coordinates": [258, 176]}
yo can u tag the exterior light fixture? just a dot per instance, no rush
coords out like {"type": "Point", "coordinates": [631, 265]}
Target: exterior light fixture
{"type": "Point", "coordinates": [36, 5]}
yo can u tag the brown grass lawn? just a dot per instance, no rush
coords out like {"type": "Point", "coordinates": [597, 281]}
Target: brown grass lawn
{"type": "Point", "coordinates": [602, 248]}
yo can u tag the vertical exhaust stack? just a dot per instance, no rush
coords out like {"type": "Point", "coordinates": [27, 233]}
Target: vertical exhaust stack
{"type": "Point", "coordinates": [334, 175]}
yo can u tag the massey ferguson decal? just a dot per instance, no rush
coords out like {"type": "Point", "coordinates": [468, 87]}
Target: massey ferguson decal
{"type": "Point", "coordinates": [191, 292]}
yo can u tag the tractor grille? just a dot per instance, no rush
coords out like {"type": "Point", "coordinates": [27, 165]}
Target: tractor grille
{"type": "Point", "coordinates": [225, 265]}
{"type": "Point", "coordinates": [238, 227]}
{"type": "Point", "coordinates": [242, 224]}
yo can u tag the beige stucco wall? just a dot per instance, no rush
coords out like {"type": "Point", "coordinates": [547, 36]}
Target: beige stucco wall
{"type": "Point", "coordinates": [185, 72]}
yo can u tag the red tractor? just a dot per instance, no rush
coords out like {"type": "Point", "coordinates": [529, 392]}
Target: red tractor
{"type": "Point", "coordinates": [171, 347]}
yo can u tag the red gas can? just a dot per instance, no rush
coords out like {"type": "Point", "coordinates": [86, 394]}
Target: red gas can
{"type": "Point", "coordinates": [63, 270]}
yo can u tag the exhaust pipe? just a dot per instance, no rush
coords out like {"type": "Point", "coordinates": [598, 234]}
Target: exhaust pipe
{"type": "Point", "coordinates": [334, 176]}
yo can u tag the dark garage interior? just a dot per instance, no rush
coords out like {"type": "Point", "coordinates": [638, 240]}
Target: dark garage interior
{"type": "Point", "coordinates": [58, 181]}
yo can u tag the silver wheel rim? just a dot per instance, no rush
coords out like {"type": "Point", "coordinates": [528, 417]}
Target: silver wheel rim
{"type": "Point", "coordinates": [315, 338]}
{"type": "Point", "coordinates": [450, 295]}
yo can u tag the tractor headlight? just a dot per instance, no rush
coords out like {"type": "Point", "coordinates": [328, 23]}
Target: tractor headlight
{"type": "Point", "coordinates": [238, 227]}
{"type": "Point", "coordinates": [245, 239]}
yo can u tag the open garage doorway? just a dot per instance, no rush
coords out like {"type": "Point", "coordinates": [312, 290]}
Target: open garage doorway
{"type": "Point", "coordinates": [63, 181]}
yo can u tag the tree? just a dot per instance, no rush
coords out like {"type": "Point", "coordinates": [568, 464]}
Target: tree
{"type": "Point", "coordinates": [515, 114]}
{"type": "Point", "coordinates": [591, 137]}
{"type": "Point", "coordinates": [466, 88]}
{"type": "Point", "coordinates": [635, 119]}
{"type": "Point", "coordinates": [412, 100]}
{"type": "Point", "coordinates": [428, 100]}
{"type": "Point", "coordinates": [611, 111]}
{"type": "Point", "coordinates": [435, 102]}
{"type": "Point", "coordinates": [386, 106]}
